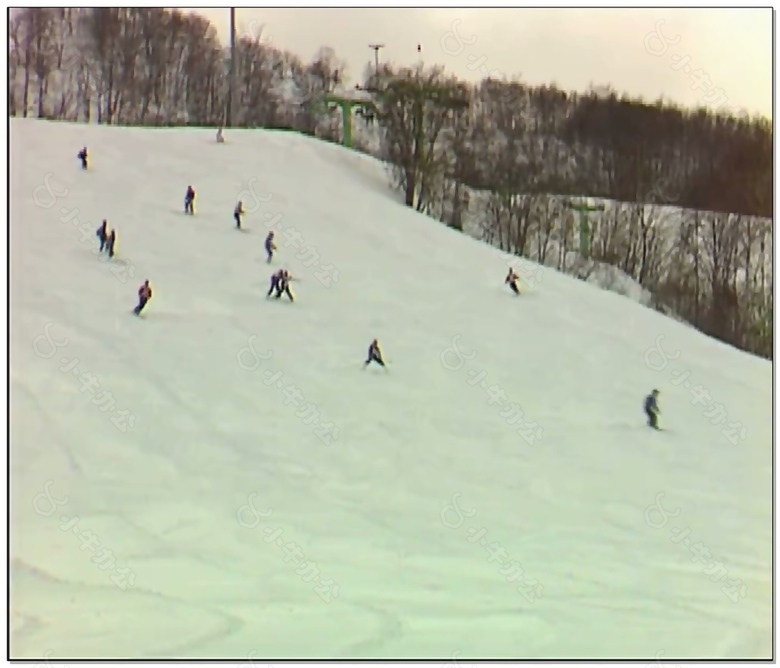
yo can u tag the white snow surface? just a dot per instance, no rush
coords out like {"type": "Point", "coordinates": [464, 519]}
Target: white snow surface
{"type": "Point", "coordinates": [209, 438]}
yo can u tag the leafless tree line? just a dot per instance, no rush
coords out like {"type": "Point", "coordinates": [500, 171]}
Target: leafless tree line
{"type": "Point", "coordinates": [692, 190]}
{"type": "Point", "coordinates": [689, 193]}
{"type": "Point", "coordinates": [134, 66]}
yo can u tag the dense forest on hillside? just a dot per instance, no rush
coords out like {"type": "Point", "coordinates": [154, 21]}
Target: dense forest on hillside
{"type": "Point", "coordinates": [692, 189]}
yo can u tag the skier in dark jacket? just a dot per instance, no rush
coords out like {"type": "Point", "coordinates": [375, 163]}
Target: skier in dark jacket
{"type": "Point", "coordinates": [102, 234]}
{"type": "Point", "coordinates": [82, 155]}
{"type": "Point", "coordinates": [283, 286]}
{"type": "Point", "coordinates": [275, 280]}
{"type": "Point", "coordinates": [111, 242]}
{"type": "Point", "coordinates": [270, 247]}
{"type": "Point", "coordinates": [374, 354]}
{"type": "Point", "coordinates": [189, 201]}
{"type": "Point", "coordinates": [511, 280]}
{"type": "Point", "coordinates": [237, 213]}
{"type": "Point", "coordinates": [651, 409]}
{"type": "Point", "coordinates": [144, 295]}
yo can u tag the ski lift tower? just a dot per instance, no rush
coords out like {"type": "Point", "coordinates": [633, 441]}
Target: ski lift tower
{"type": "Point", "coordinates": [348, 101]}
{"type": "Point", "coordinates": [585, 230]}
{"type": "Point", "coordinates": [376, 48]}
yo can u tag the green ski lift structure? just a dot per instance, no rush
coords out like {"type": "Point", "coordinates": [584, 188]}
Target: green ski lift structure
{"type": "Point", "coordinates": [584, 209]}
{"type": "Point", "coordinates": [363, 100]}
{"type": "Point", "coordinates": [348, 104]}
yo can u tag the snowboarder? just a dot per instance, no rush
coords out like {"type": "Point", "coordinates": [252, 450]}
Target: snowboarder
{"type": "Point", "coordinates": [102, 234]}
{"type": "Point", "coordinates": [270, 246]}
{"type": "Point", "coordinates": [651, 409]}
{"type": "Point", "coordinates": [237, 213]}
{"type": "Point", "coordinates": [283, 286]}
{"type": "Point", "coordinates": [374, 354]}
{"type": "Point", "coordinates": [111, 242]}
{"type": "Point", "coordinates": [511, 280]}
{"type": "Point", "coordinates": [144, 295]}
{"type": "Point", "coordinates": [189, 201]}
{"type": "Point", "coordinates": [220, 138]}
{"type": "Point", "coordinates": [82, 155]}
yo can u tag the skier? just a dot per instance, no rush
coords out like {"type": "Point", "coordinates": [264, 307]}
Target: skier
{"type": "Point", "coordinates": [82, 155]}
{"type": "Point", "coordinates": [651, 409]}
{"type": "Point", "coordinates": [275, 280]}
{"type": "Point", "coordinates": [220, 138]}
{"type": "Point", "coordinates": [111, 242]}
{"type": "Point", "coordinates": [511, 280]}
{"type": "Point", "coordinates": [283, 286]}
{"type": "Point", "coordinates": [102, 234]}
{"type": "Point", "coordinates": [374, 354]}
{"type": "Point", "coordinates": [189, 201]}
{"type": "Point", "coordinates": [270, 246]}
{"type": "Point", "coordinates": [144, 295]}
{"type": "Point", "coordinates": [237, 213]}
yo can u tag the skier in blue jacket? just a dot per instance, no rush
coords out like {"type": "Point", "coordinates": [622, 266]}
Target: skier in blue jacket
{"type": "Point", "coordinates": [276, 280]}
{"type": "Point", "coordinates": [189, 201]}
{"type": "Point", "coordinates": [374, 354]}
{"type": "Point", "coordinates": [651, 409]}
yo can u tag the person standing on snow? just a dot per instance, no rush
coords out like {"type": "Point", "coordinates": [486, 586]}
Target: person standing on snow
{"type": "Point", "coordinates": [270, 246]}
{"type": "Point", "coordinates": [82, 155]}
{"type": "Point", "coordinates": [651, 409]}
{"type": "Point", "coordinates": [144, 295]}
{"type": "Point", "coordinates": [511, 280]}
{"type": "Point", "coordinates": [275, 280]}
{"type": "Point", "coordinates": [102, 234]}
{"type": "Point", "coordinates": [111, 242]}
{"type": "Point", "coordinates": [283, 286]}
{"type": "Point", "coordinates": [374, 354]}
{"type": "Point", "coordinates": [237, 213]}
{"type": "Point", "coordinates": [189, 201]}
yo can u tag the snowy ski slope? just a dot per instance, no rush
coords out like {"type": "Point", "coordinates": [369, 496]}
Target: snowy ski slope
{"type": "Point", "coordinates": [133, 535]}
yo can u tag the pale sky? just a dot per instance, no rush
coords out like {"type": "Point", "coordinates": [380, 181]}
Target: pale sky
{"type": "Point", "coordinates": [569, 47]}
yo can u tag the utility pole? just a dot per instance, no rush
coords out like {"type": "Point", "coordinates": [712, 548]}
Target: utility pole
{"type": "Point", "coordinates": [376, 48]}
{"type": "Point", "coordinates": [232, 74]}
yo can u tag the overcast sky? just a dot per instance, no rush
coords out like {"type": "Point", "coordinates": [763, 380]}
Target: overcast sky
{"type": "Point", "coordinates": [722, 55]}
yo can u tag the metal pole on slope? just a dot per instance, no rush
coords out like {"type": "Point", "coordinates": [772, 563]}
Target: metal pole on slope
{"type": "Point", "coordinates": [376, 48]}
{"type": "Point", "coordinates": [232, 74]}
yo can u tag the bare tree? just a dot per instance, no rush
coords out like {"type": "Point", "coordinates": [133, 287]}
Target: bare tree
{"type": "Point", "coordinates": [414, 107]}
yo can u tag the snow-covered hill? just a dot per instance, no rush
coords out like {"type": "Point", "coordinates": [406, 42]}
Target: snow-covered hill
{"type": "Point", "coordinates": [222, 478]}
